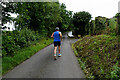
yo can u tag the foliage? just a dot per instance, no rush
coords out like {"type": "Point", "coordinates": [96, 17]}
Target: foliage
{"type": "Point", "coordinates": [103, 25]}
{"type": "Point", "coordinates": [81, 21]}
{"type": "Point", "coordinates": [37, 16]}
{"type": "Point", "coordinates": [100, 55]}
{"type": "Point", "coordinates": [115, 74]}
{"type": "Point", "coordinates": [42, 17]}
{"type": "Point", "coordinates": [66, 16]}
{"type": "Point", "coordinates": [92, 27]}
{"type": "Point", "coordinates": [118, 23]}
{"type": "Point", "coordinates": [100, 24]}
{"type": "Point", "coordinates": [116, 15]}
{"type": "Point", "coordinates": [7, 8]}
{"type": "Point", "coordinates": [113, 26]}
{"type": "Point", "coordinates": [15, 40]}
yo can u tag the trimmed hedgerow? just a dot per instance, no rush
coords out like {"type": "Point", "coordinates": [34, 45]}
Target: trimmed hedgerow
{"type": "Point", "coordinates": [13, 41]}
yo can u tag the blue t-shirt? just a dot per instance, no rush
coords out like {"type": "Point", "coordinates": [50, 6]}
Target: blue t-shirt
{"type": "Point", "coordinates": [56, 36]}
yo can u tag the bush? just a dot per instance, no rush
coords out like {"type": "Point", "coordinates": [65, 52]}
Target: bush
{"type": "Point", "coordinates": [113, 26]}
{"type": "Point", "coordinates": [80, 22]}
{"type": "Point", "coordinates": [15, 40]}
{"type": "Point", "coordinates": [100, 24]}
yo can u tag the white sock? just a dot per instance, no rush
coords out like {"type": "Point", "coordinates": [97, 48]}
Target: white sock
{"type": "Point", "coordinates": [54, 54]}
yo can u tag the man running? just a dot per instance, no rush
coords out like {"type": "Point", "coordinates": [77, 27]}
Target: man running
{"type": "Point", "coordinates": [57, 35]}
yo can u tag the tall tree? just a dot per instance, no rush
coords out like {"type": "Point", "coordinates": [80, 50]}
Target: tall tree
{"type": "Point", "coordinates": [38, 16]}
{"type": "Point", "coordinates": [66, 17]}
{"type": "Point", "coordinates": [81, 21]}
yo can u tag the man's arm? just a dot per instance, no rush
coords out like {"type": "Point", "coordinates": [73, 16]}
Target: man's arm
{"type": "Point", "coordinates": [52, 35]}
{"type": "Point", "coordinates": [60, 35]}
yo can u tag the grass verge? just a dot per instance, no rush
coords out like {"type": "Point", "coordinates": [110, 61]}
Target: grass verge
{"type": "Point", "coordinates": [9, 63]}
{"type": "Point", "coordinates": [99, 56]}
{"type": "Point", "coordinates": [82, 64]}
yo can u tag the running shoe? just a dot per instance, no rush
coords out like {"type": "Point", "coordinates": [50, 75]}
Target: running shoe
{"type": "Point", "coordinates": [59, 55]}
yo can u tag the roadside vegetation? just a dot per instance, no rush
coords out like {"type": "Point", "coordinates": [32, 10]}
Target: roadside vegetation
{"type": "Point", "coordinates": [9, 62]}
{"type": "Point", "coordinates": [99, 56]}
{"type": "Point", "coordinates": [19, 46]}
{"type": "Point", "coordinates": [98, 51]}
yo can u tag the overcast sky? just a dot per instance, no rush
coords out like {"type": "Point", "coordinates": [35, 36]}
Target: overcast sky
{"type": "Point", "coordinates": [106, 8]}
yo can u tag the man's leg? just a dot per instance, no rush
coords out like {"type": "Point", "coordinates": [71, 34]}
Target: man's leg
{"type": "Point", "coordinates": [59, 49]}
{"type": "Point", "coordinates": [55, 48]}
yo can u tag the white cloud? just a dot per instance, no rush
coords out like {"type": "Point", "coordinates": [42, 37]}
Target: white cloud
{"type": "Point", "coordinates": [106, 8]}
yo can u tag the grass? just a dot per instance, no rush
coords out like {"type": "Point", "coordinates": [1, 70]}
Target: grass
{"type": "Point", "coordinates": [99, 56]}
{"type": "Point", "coordinates": [9, 63]}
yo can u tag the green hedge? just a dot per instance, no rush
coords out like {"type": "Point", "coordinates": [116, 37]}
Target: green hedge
{"type": "Point", "coordinates": [13, 41]}
{"type": "Point", "coordinates": [100, 24]}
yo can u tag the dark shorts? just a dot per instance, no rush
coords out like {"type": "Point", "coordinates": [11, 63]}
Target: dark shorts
{"type": "Point", "coordinates": [57, 44]}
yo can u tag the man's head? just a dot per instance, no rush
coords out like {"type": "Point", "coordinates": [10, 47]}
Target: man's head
{"type": "Point", "coordinates": [57, 28]}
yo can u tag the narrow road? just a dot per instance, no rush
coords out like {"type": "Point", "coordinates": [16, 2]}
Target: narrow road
{"type": "Point", "coordinates": [42, 64]}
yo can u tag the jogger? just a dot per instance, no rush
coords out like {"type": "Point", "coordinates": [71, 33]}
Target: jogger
{"type": "Point", "coordinates": [57, 35]}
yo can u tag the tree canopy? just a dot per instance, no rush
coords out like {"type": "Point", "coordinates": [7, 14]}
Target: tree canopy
{"type": "Point", "coordinates": [81, 21]}
{"type": "Point", "coordinates": [38, 16]}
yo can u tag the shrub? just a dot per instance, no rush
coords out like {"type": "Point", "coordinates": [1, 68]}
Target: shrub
{"type": "Point", "coordinates": [100, 24]}
{"type": "Point", "coordinates": [15, 40]}
{"type": "Point", "coordinates": [80, 22]}
{"type": "Point", "coordinates": [113, 26]}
